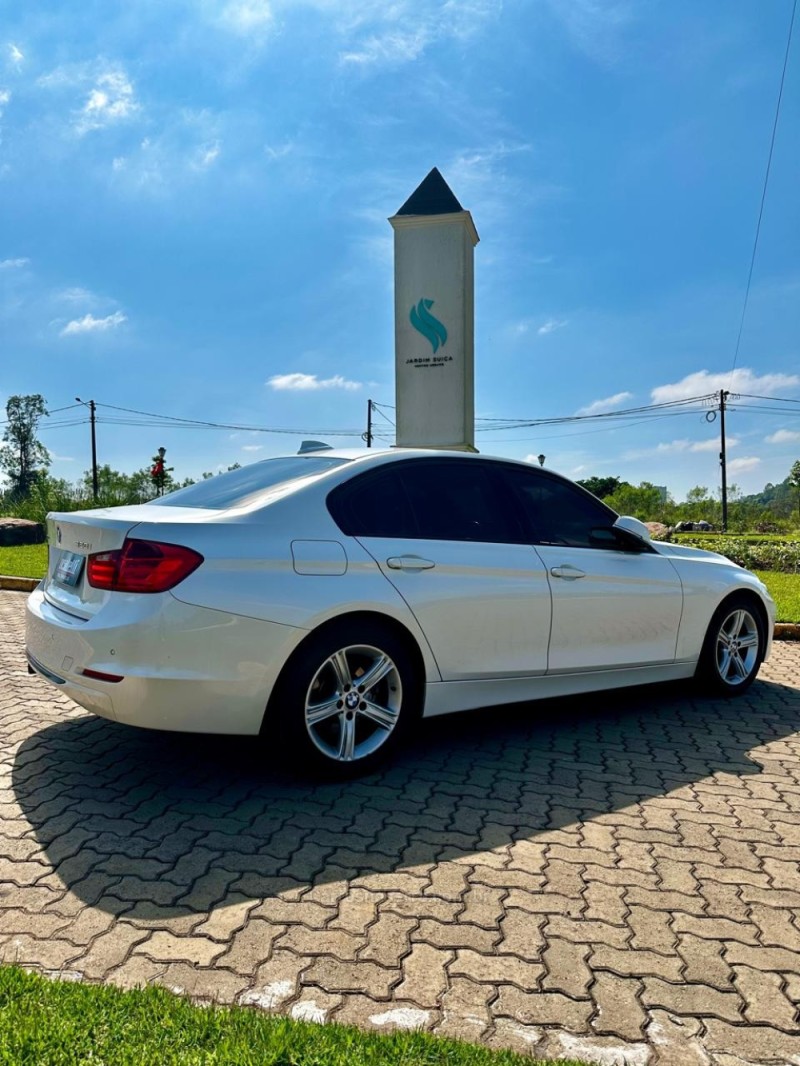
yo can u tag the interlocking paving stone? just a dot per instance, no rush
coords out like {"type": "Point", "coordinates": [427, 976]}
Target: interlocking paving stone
{"type": "Point", "coordinates": [615, 877]}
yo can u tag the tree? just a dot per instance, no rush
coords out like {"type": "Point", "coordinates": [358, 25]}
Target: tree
{"type": "Point", "coordinates": [645, 501]}
{"type": "Point", "coordinates": [601, 486]}
{"type": "Point", "coordinates": [116, 488]}
{"type": "Point", "coordinates": [794, 478]}
{"type": "Point", "coordinates": [700, 505]}
{"type": "Point", "coordinates": [22, 457]}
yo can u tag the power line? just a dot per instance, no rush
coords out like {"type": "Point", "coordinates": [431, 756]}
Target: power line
{"type": "Point", "coordinates": [177, 422]}
{"type": "Point", "coordinates": [773, 399]}
{"type": "Point", "coordinates": [69, 407]}
{"type": "Point", "coordinates": [383, 416]}
{"type": "Point", "coordinates": [608, 414]}
{"type": "Point", "coordinates": [587, 432]}
{"type": "Point", "coordinates": [677, 407]}
{"type": "Point", "coordinates": [764, 189]}
{"type": "Point", "coordinates": [62, 425]}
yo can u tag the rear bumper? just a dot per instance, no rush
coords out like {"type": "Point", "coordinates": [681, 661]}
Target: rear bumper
{"type": "Point", "coordinates": [184, 668]}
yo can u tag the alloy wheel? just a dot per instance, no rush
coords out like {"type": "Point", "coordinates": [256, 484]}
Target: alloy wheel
{"type": "Point", "coordinates": [737, 647]}
{"type": "Point", "coordinates": [353, 703]}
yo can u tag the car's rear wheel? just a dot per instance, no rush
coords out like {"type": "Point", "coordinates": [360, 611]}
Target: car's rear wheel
{"type": "Point", "coordinates": [734, 647]}
{"type": "Point", "coordinates": [347, 699]}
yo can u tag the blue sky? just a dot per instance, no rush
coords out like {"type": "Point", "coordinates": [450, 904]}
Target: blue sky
{"type": "Point", "coordinates": [193, 205]}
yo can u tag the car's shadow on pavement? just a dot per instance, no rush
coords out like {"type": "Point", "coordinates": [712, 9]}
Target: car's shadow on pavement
{"type": "Point", "coordinates": [162, 825]}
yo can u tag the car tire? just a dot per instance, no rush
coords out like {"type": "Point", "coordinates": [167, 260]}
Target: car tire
{"type": "Point", "coordinates": [734, 647]}
{"type": "Point", "coordinates": [346, 700]}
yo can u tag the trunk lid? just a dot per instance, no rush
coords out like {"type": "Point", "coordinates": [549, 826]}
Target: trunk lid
{"type": "Point", "coordinates": [74, 535]}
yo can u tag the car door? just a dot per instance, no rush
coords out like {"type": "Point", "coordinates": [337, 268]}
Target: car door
{"type": "Point", "coordinates": [613, 605]}
{"type": "Point", "coordinates": [446, 533]}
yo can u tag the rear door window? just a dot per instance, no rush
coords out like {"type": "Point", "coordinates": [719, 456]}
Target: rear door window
{"type": "Point", "coordinates": [428, 500]}
{"type": "Point", "coordinates": [373, 505]}
{"type": "Point", "coordinates": [456, 500]}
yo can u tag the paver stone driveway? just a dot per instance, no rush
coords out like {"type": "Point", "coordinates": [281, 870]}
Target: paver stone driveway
{"type": "Point", "coordinates": [614, 877]}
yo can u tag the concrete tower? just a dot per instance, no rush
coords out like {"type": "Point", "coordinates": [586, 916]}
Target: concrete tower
{"type": "Point", "coordinates": [434, 306]}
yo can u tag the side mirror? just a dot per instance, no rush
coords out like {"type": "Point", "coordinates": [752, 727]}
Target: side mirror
{"type": "Point", "coordinates": [617, 538]}
{"type": "Point", "coordinates": [634, 526]}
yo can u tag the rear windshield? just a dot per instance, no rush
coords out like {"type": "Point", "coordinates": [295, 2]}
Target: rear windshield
{"type": "Point", "coordinates": [237, 488]}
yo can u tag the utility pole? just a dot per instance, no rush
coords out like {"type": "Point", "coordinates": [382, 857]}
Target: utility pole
{"type": "Point", "coordinates": [368, 434]}
{"type": "Point", "coordinates": [723, 396]}
{"type": "Point", "coordinates": [92, 419]}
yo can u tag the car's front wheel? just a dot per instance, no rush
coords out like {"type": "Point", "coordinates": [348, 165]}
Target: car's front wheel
{"type": "Point", "coordinates": [347, 699]}
{"type": "Point", "coordinates": [734, 647]}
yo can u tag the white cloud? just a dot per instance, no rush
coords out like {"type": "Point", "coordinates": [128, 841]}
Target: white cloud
{"type": "Point", "coordinates": [252, 447]}
{"type": "Point", "coordinates": [110, 100]}
{"type": "Point", "coordinates": [206, 155]}
{"type": "Point", "coordinates": [610, 403]}
{"type": "Point", "coordinates": [783, 436]}
{"type": "Point", "coordinates": [743, 465]}
{"type": "Point", "coordinates": [400, 32]}
{"type": "Point", "coordinates": [595, 26]}
{"type": "Point", "coordinates": [741, 380]}
{"type": "Point", "coordinates": [310, 382]}
{"type": "Point", "coordinates": [185, 148]}
{"type": "Point", "coordinates": [90, 324]}
{"type": "Point", "coordinates": [678, 447]}
{"type": "Point", "coordinates": [247, 16]}
{"type": "Point", "coordinates": [712, 445]}
{"type": "Point", "coordinates": [389, 48]}
{"type": "Point", "coordinates": [274, 152]}
{"type": "Point", "coordinates": [550, 326]}
{"type": "Point", "coordinates": [13, 264]}
{"type": "Point", "coordinates": [76, 294]}
{"type": "Point", "coordinates": [520, 328]}
{"type": "Point", "coordinates": [15, 54]}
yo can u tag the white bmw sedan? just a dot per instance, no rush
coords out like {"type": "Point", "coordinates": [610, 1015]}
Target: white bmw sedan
{"type": "Point", "coordinates": [326, 601]}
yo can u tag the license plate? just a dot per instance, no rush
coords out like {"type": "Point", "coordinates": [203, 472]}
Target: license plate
{"type": "Point", "coordinates": [69, 568]}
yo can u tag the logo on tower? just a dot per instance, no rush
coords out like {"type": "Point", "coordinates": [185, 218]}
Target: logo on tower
{"type": "Point", "coordinates": [426, 324]}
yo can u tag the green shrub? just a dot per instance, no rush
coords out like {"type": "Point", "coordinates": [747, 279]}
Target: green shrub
{"type": "Point", "coordinates": [752, 553]}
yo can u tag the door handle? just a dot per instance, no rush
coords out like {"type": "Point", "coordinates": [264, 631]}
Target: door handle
{"type": "Point", "coordinates": [567, 572]}
{"type": "Point", "coordinates": [409, 562]}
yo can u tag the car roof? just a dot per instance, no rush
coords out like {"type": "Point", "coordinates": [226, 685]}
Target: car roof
{"type": "Point", "coordinates": [388, 454]}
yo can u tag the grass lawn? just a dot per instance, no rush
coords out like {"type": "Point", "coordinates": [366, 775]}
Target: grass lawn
{"type": "Point", "coordinates": [27, 561]}
{"type": "Point", "coordinates": [785, 590]}
{"type": "Point", "coordinates": [55, 1023]}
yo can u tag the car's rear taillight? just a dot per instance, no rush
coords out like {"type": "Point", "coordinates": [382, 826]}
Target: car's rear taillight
{"type": "Point", "coordinates": [141, 566]}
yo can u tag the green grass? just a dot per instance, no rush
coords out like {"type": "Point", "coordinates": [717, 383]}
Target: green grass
{"type": "Point", "coordinates": [785, 590]}
{"type": "Point", "coordinates": [54, 1023]}
{"type": "Point", "coordinates": [29, 560]}
{"type": "Point", "coordinates": [750, 538]}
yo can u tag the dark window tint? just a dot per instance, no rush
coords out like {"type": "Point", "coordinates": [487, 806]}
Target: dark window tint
{"type": "Point", "coordinates": [456, 500]}
{"type": "Point", "coordinates": [557, 512]}
{"type": "Point", "coordinates": [373, 505]}
{"type": "Point", "coordinates": [240, 487]}
{"type": "Point", "coordinates": [428, 500]}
